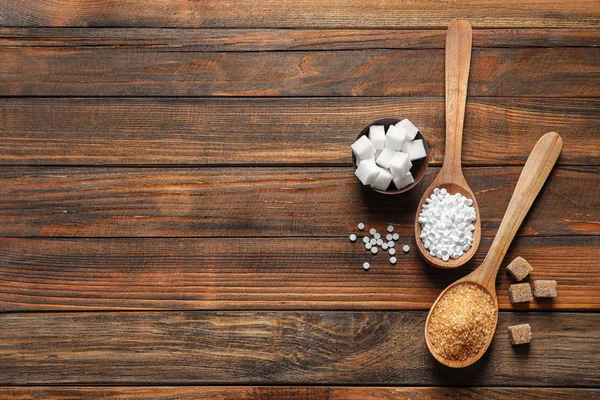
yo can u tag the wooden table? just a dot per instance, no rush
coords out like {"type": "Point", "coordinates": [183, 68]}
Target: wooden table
{"type": "Point", "coordinates": [176, 194]}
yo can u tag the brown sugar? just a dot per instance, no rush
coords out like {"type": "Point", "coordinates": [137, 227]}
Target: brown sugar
{"type": "Point", "coordinates": [462, 322]}
{"type": "Point", "coordinates": [544, 288]}
{"type": "Point", "coordinates": [519, 268]}
{"type": "Point", "coordinates": [520, 293]}
{"type": "Point", "coordinates": [519, 334]}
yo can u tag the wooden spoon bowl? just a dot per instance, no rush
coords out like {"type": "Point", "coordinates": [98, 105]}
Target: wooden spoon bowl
{"type": "Point", "coordinates": [534, 174]}
{"type": "Point", "coordinates": [458, 61]}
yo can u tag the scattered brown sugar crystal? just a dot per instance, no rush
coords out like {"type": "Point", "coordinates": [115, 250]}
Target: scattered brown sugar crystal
{"type": "Point", "coordinates": [519, 334]}
{"type": "Point", "coordinates": [462, 322]}
{"type": "Point", "coordinates": [520, 293]}
{"type": "Point", "coordinates": [519, 268]}
{"type": "Point", "coordinates": [544, 288]}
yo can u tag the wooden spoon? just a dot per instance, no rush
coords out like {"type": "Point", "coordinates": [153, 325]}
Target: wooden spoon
{"type": "Point", "coordinates": [534, 174]}
{"type": "Point", "coordinates": [450, 177]}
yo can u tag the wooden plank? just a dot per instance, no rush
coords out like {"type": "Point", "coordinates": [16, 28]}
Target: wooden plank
{"type": "Point", "coordinates": [320, 348]}
{"type": "Point", "coordinates": [259, 274]}
{"type": "Point", "coordinates": [288, 39]}
{"type": "Point", "coordinates": [293, 392]}
{"type": "Point", "coordinates": [300, 13]}
{"type": "Point", "coordinates": [527, 72]}
{"type": "Point", "coordinates": [216, 202]}
{"type": "Point", "coordinates": [275, 131]}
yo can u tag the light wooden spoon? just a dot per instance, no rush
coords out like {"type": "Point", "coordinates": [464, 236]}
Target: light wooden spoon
{"type": "Point", "coordinates": [450, 177]}
{"type": "Point", "coordinates": [534, 174]}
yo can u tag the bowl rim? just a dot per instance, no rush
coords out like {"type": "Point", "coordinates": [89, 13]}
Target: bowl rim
{"type": "Point", "coordinates": [387, 122]}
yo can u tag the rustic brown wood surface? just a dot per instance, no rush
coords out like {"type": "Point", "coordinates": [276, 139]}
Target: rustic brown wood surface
{"type": "Point", "coordinates": [278, 131]}
{"type": "Point", "coordinates": [176, 195]}
{"type": "Point", "coordinates": [495, 72]}
{"type": "Point", "coordinates": [291, 274]}
{"type": "Point", "coordinates": [293, 392]}
{"type": "Point", "coordinates": [339, 348]}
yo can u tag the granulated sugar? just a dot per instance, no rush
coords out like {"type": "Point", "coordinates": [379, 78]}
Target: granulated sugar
{"type": "Point", "coordinates": [462, 322]}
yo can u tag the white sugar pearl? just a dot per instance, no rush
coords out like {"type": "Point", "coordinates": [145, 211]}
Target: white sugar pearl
{"type": "Point", "coordinates": [384, 246]}
{"type": "Point", "coordinates": [395, 236]}
{"type": "Point", "coordinates": [379, 242]}
{"type": "Point", "coordinates": [447, 224]}
{"type": "Point", "coordinates": [393, 260]}
{"type": "Point", "coordinates": [372, 231]}
{"type": "Point", "coordinates": [390, 228]}
{"type": "Point", "coordinates": [368, 246]}
{"type": "Point", "coordinates": [374, 250]}
{"type": "Point", "coordinates": [392, 251]}
{"type": "Point", "coordinates": [389, 237]}
{"type": "Point", "coordinates": [366, 266]}
{"type": "Point", "coordinates": [391, 244]}
{"type": "Point", "coordinates": [366, 239]}
{"type": "Point", "coordinates": [353, 238]}
{"type": "Point", "coordinates": [406, 248]}
{"type": "Point", "coordinates": [361, 226]}
{"type": "Point", "coordinates": [373, 241]}
{"type": "Point", "coordinates": [377, 235]}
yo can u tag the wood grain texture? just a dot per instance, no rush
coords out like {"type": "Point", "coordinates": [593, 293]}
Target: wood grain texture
{"type": "Point", "coordinates": [287, 39]}
{"type": "Point", "coordinates": [265, 131]}
{"type": "Point", "coordinates": [259, 274]}
{"type": "Point", "coordinates": [217, 202]}
{"type": "Point", "coordinates": [293, 393]}
{"type": "Point", "coordinates": [526, 72]}
{"type": "Point", "coordinates": [299, 13]}
{"type": "Point", "coordinates": [320, 348]}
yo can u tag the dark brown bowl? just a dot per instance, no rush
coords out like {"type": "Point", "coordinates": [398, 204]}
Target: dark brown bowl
{"type": "Point", "coordinates": [419, 166]}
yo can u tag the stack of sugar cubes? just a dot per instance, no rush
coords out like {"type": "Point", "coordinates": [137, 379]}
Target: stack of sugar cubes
{"type": "Point", "coordinates": [385, 157]}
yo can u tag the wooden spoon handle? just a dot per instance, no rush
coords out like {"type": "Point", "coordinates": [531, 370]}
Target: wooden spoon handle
{"type": "Point", "coordinates": [534, 174]}
{"type": "Point", "coordinates": [458, 62]}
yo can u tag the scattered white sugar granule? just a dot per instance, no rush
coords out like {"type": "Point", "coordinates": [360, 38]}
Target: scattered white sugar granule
{"type": "Point", "coordinates": [392, 251]}
{"type": "Point", "coordinates": [374, 250]}
{"type": "Point", "coordinates": [389, 237]}
{"type": "Point", "coordinates": [393, 260]}
{"type": "Point", "coordinates": [373, 241]}
{"type": "Point", "coordinates": [391, 244]}
{"type": "Point", "coordinates": [406, 248]}
{"type": "Point", "coordinates": [377, 235]}
{"type": "Point", "coordinates": [353, 238]}
{"type": "Point", "coordinates": [361, 226]}
{"type": "Point", "coordinates": [379, 242]}
{"type": "Point", "coordinates": [384, 246]}
{"type": "Point", "coordinates": [368, 246]}
{"type": "Point", "coordinates": [366, 239]}
{"type": "Point", "coordinates": [366, 266]}
{"type": "Point", "coordinates": [373, 231]}
{"type": "Point", "coordinates": [390, 228]}
{"type": "Point", "coordinates": [447, 224]}
{"type": "Point", "coordinates": [395, 236]}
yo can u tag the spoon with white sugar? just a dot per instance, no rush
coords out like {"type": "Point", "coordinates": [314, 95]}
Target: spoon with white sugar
{"type": "Point", "coordinates": [458, 61]}
{"type": "Point", "coordinates": [460, 331]}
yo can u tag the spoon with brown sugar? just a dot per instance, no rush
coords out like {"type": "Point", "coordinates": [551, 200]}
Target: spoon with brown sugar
{"type": "Point", "coordinates": [462, 321]}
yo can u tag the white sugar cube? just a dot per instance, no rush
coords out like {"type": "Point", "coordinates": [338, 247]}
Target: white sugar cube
{"type": "Point", "coordinates": [403, 181]}
{"type": "Point", "coordinates": [385, 157]}
{"type": "Point", "coordinates": [383, 180]}
{"type": "Point", "coordinates": [363, 148]}
{"type": "Point", "coordinates": [414, 149]}
{"type": "Point", "coordinates": [400, 164]}
{"type": "Point", "coordinates": [367, 171]}
{"type": "Point", "coordinates": [377, 154]}
{"type": "Point", "coordinates": [377, 136]}
{"type": "Point", "coordinates": [395, 137]}
{"type": "Point", "coordinates": [408, 129]}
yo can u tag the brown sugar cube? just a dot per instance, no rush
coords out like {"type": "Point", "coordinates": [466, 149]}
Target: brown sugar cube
{"type": "Point", "coordinates": [519, 334]}
{"type": "Point", "coordinates": [520, 293]}
{"type": "Point", "coordinates": [519, 268]}
{"type": "Point", "coordinates": [544, 288]}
